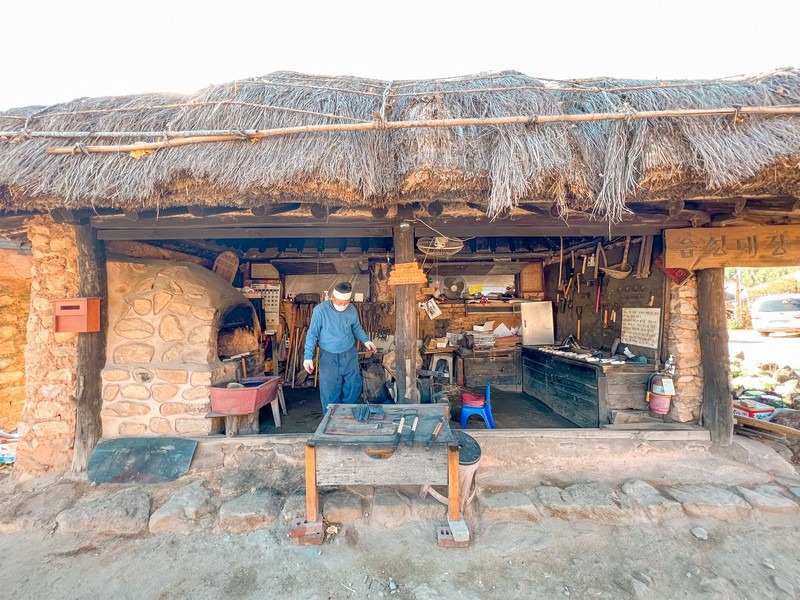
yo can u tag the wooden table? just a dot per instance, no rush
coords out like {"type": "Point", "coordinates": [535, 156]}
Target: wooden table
{"type": "Point", "coordinates": [342, 452]}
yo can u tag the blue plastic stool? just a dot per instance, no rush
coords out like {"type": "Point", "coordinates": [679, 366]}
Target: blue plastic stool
{"type": "Point", "coordinates": [485, 411]}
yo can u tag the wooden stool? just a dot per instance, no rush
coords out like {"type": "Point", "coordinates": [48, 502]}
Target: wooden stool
{"type": "Point", "coordinates": [448, 359]}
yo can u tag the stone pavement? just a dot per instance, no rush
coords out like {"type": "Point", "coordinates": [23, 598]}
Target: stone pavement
{"type": "Point", "coordinates": [751, 481]}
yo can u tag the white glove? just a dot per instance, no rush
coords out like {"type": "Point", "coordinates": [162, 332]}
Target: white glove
{"type": "Point", "coordinates": [371, 347]}
{"type": "Point", "coordinates": [308, 365]}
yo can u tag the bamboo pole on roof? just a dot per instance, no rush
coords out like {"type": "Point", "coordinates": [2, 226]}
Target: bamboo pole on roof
{"type": "Point", "coordinates": [256, 135]}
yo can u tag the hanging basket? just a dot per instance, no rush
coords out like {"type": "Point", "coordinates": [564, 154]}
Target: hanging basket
{"type": "Point", "coordinates": [439, 246]}
{"type": "Point", "coordinates": [623, 269]}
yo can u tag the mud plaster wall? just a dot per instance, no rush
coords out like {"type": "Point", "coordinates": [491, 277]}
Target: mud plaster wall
{"type": "Point", "coordinates": [15, 300]}
{"type": "Point", "coordinates": [47, 425]}
{"type": "Point", "coordinates": [161, 352]}
{"type": "Point", "coordinates": [684, 343]}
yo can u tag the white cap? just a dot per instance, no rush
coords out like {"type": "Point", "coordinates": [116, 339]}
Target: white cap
{"type": "Point", "coordinates": [343, 291]}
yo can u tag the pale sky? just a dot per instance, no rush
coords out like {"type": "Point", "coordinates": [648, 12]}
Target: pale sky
{"type": "Point", "coordinates": [56, 51]}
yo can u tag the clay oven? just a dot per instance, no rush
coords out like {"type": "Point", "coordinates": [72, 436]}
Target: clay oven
{"type": "Point", "coordinates": [170, 325]}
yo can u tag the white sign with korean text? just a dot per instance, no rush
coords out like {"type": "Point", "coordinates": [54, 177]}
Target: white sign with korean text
{"type": "Point", "coordinates": [641, 326]}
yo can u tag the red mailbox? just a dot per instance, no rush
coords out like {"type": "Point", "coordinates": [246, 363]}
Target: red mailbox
{"type": "Point", "coordinates": [76, 315]}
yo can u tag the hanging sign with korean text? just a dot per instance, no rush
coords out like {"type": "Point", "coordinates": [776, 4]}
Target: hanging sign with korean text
{"type": "Point", "coordinates": [712, 247]}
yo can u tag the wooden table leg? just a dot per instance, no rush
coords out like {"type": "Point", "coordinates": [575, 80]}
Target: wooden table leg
{"type": "Point", "coordinates": [453, 501]}
{"type": "Point", "coordinates": [276, 411]}
{"type": "Point", "coordinates": [312, 498]}
{"type": "Point", "coordinates": [231, 426]}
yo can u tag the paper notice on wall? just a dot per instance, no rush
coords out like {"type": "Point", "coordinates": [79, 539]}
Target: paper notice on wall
{"type": "Point", "coordinates": [641, 326]}
{"type": "Point", "coordinates": [432, 309]}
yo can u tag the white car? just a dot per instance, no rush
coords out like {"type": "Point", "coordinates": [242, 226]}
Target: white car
{"type": "Point", "coordinates": [773, 314]}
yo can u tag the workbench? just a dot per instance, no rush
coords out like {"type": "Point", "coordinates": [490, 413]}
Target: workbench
{"type": "Point", "coordinates": [345, 451]}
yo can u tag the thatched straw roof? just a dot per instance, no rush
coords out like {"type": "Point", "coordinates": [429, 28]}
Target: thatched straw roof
{"type": "Point", "coordinates": [595, 164]}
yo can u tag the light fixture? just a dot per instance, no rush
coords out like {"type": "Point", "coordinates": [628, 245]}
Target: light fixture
{"type": "Point", "coordinates": [405, 226]}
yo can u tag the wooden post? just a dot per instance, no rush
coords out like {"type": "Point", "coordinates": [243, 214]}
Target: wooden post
{"type": "Point", "coordinates": [91, 347]}
{"type": "Point", "coordinates": [405, 309]}
{"type": "Point", "coordinates": [312, 499]}
{"type": "Point", "coordinates": [453, 490]}
{"type": "Point", "coordinates": [713, 334]}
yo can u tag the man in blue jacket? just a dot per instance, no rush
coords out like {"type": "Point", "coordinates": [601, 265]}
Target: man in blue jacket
{"type": "Point", "coordinates": [335, 325]}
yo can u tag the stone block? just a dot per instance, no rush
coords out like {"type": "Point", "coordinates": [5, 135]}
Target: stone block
{"type": "Point", "coordinates": [172, 353]}
{"type": "Point", "coordinates": [343, 507]}
{"type": "Point", "coordinates": [507, 506]}
{"type": "Point", "coordinates": [160, 300]}
{"type": "Point", "coordinates": [769, 498]}
{"type": "Point", "coordinates": [250, 511]}
{"type": "Point", "coordinates": [196, 393]}
{"type": "Point", "coordinates": [46, 429]}
{"type": "Point", "coordinates": [197, 426]}
{"type": "Point", "coordinates": [110, 392]}
{"type": "Point", "coordinates": [648, 499]}
{"type": "Point", "coordinates": [170, 329]}
{"type": "Point", "coordinates": [390, 509]}
{"type": "Point", "coordinates": [142, 306]}
{"type": "Point", "coordinates": [135, 391]}
{"type": "Point", "coordinates": [164, 391]}
{"type": "Point", "coordinates": [160, 425]}
{"type": "Point", "coordinates": [180, 308]}
{"type": "Point", "coordinates": [189, 509]}
{"type": "Point", "coordinates": [294, 507]}
{"type": "Point", "coordinates": [710, 501]}
{"type": "Point", "coordinates": [200, 334]}
{"type": "Point", "coordinates": [123, 408]}
{"type": "Point", "coordinates": [130, 428]}
{"type": "Point", "coordinates": [173, 375]}
{"type": "Point", "coordinates": [142, 375]}
{"type": "Point", "coordinates": [134, 329]}
{"type": "Point", "coordinates": [134, 352]}
{"type": "Point", "coordinates": [204, 314]}
{"type": "Point", "coordinates": [593, 501]}
{"type": "Point", "coordinates": [199, 378]}
{"type": "Point", "coordinates": [115, 375]}
{"type": "Point", "coordinates": [124, 512]}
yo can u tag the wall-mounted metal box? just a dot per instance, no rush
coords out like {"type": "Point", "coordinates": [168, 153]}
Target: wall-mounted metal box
{"type": "Point", "coordinates": [76, 315]}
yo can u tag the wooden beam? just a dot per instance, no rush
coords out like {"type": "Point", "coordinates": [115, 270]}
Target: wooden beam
{"type": "Point", "coordinates": [713, 333]}
{"type": "Point", "coordinates": [674, 207]}
{"type": "Point", "coordinates": [435, 208]}
{"type": "Point", "coordinates": [91, 347]}
{"type": "Point", "coordinates": [323, 211]}
{"type": "Point", "coordinates": [405, 311]}
{"type": "Point", "coordinates": [199, 210]}
{"type": "Point", "coordinates": [266, 210]}
{"type": "Point", "coordinates": [169, 233]}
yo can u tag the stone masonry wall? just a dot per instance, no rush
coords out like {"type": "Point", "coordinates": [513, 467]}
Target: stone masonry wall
{"type": "Point", "coordinates": [161, 353]}
{"type": "Point", "coordinates": [47, 426]}
{"type": "Point", "coordinates": [15, 301]}
{"type": "Point", "coordinates": [684, 343]}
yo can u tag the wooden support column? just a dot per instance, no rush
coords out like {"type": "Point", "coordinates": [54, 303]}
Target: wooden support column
{"type": "Point", "coordinates": [92, 282]}
{"type": "Point", "coordinates": [405, 297]}
{"type": "Point", "coordinates": [713, 334]}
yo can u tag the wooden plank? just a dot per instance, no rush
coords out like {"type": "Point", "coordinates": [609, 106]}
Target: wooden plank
{"type": "Point", "coordinates": [350, 465]}
{"type": "Point", "coordinates": [767, 425]}
{"type": "Point", "coordinates": [207, 233]}
{"type": "Point", "coordinates": [713, 336]}
{"type": "Point", "coordinates": [91, 348]}
{"type": "Point", "coordinates": [757, 246]}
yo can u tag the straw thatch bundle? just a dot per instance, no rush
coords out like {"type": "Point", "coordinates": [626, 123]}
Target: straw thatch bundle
{"type": "Point", "coordinates": [599, 165]}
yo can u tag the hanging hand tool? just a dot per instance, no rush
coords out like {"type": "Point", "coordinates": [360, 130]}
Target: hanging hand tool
{"type": "Point", "coordinates": [579, 313]}
{"type": "Point", "coordinates": [599, 292]}
{"type": "Point", "coordinates": [379, 453]}
{"type": "Point", "coordinates": [434, 434]}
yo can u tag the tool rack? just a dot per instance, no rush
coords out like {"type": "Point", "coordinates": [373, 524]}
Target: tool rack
{"type": "Point", "coordinates": [345, 451]}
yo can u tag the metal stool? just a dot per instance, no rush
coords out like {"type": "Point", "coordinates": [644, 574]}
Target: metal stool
{"type": "Point", "coordinates": [448, 360]}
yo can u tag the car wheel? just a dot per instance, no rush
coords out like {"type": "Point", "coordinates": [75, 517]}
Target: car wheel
{"type": "Point", "coordinates": [763, 333]}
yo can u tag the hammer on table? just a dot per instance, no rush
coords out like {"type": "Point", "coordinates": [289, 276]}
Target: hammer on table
{"type": "Point", "coordinates": [388, 452]}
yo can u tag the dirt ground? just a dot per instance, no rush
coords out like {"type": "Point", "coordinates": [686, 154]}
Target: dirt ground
{"type": "Point", "coordinates": [753, 558]}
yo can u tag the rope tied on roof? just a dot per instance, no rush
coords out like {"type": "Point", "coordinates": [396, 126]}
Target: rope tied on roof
{"type": "Point", "coordinates": [380, 118]}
